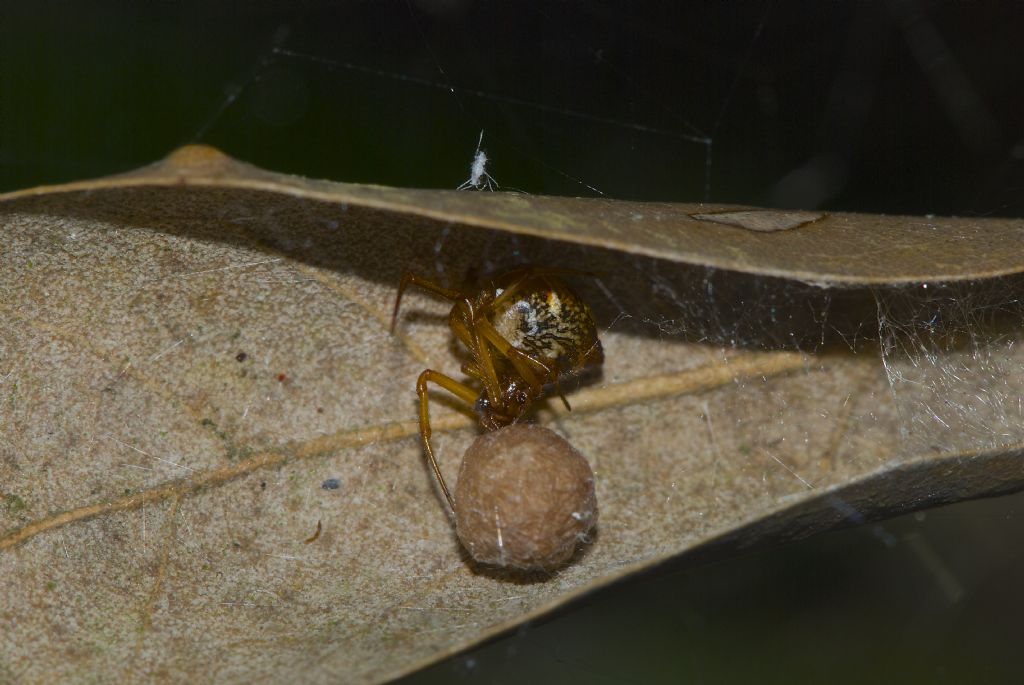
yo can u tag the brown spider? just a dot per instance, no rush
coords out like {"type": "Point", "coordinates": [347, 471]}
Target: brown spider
{"type": "Point", "coordinates": [524, 329]}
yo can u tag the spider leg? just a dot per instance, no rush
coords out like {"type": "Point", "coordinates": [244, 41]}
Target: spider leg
{"type": "Point", "coordinates": [561, 396]}
{"type": "Point", "coordinates": [508, 292]}
{"type": "Point", "coordinates": [486, 366]}
{"type": "Point", "coordinates": [483, 369]}
{"type": "Point", "coordinates": [558, 388]}
{"type": "Point", "coordinates": [520, 360]}
{"type": "Point", "coordinates": [464, 393]}
{"type": "Point", "coordinates": [428, 285]}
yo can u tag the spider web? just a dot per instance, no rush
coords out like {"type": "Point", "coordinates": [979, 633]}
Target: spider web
{"type": "Point", "coordinates": [951, 355]}
{"type": "Point", "coordinates": [436, 99]}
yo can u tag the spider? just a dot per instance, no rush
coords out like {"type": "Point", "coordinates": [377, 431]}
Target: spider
{"type": "Point", "coordinates": [525, 330]}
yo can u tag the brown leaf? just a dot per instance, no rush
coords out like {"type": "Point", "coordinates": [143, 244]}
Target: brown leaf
{"type": "Point", "coordinates": [193, 351]}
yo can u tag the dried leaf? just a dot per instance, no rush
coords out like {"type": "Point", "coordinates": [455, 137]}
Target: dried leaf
{"type": "Point", "coordinates": [766, 220]}
{"type": "Point", "coordinates": [209, 461]}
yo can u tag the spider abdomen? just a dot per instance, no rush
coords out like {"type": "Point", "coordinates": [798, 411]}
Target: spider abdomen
{"type": "Point", "coordinates": [549, 322]}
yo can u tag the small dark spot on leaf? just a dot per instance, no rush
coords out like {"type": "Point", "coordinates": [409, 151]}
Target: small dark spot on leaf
{"type": "Point", "coordinates": [331, 484]}
{"type": "Point", "coordinates": [241, 357]}
{"type": "Point", "coordinates": [319, 527]}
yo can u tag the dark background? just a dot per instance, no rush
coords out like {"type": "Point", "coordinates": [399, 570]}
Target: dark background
{"type": "Point", "coordinates": [914, 107]}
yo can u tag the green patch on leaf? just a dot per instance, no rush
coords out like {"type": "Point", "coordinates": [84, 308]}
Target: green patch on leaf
{"type": "Point", "coordinates": [14, 505]}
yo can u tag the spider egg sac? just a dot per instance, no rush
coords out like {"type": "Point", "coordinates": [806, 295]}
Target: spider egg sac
{"type": "Point", "coordinates": [525, 498]}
